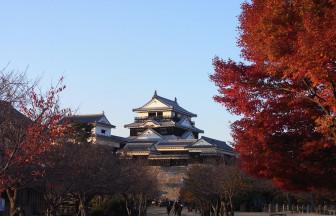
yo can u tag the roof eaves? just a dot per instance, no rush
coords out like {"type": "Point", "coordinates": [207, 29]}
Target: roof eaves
{"type": "Point", "coordinates": [104, 124]}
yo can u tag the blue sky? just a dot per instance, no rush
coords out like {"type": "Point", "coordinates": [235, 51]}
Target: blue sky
{"type": "Point", "coordinates": [114, 54]}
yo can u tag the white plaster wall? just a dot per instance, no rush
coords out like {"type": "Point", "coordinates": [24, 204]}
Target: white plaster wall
{"type": "Point", "coordinates": [149, 134]}
{"type": "Point", "coordinates": [167, 114]}
{"type": "Point", "coordinates": [142, 114]}
{"type": "Point", "coordinates": [97, 130]}
{"type": "Point", "coordinates": [202, 142]}
{"type": "Point", "coordinates": [155, 104]}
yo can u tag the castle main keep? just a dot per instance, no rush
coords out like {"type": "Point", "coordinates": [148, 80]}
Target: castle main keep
{"type": "Point", "coordinates": [163, 134]}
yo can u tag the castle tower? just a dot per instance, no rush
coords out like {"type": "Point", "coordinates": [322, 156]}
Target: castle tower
{"type": "Point", "coordinates": [163, 118]}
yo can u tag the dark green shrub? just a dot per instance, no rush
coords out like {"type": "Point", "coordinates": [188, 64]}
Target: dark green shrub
{"type": "Point", "coordinates": [110, 207]}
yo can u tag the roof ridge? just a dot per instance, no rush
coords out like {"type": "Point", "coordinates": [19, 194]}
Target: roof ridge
{"type": "Point", "coordinates": [171, 104]}
{"type": "Point", "coordinates": [212, 139]}
{"type": "Point", "coordinates": [220, 141]}
{"type": "Point", "coordinates": [158, 96]}
{"type": "Point", "coordinates": [179, 140]}
{"type": "Point", "coordinates": [96, 114]}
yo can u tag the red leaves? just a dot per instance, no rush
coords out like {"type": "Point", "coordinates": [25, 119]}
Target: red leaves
{"type": "Point", "coordinates": [42, 131]}
{"type": "Point", "coordinates": [287, 95]}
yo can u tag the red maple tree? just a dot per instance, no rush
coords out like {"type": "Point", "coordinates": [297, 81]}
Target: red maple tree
{"type": "Point", "coordinates": [26, 137]}
{"type": "Point", "coordinates": [285, 92]}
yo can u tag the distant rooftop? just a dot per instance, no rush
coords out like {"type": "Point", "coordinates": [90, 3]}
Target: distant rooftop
{"type": "Point", "coordinates": [7, 110]}
{"type": "Point", "coordinates": [91, 119]}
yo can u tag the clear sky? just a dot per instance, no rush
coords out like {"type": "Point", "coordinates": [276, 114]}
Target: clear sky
{"type": "Point", "coordinates": [114, 54]}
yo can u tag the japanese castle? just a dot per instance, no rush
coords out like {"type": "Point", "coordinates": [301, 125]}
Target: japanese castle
{"type": "Point", "coordinates": [163, 132]}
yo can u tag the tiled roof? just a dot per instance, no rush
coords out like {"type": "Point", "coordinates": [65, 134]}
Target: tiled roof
{"type": "Point", "coordinates": [195, 129]}
{"type": "Point", "coordinates": [176, 142]}
{"type": "Point", "coordinates": [164, 124]}
{"type": "Point", "coordinates": [138, 146]}
{"type": "Point", "coordinates": [170, 137]}
{"type": "Point", "coordinates": [176, 107]}
{"type": "Point", "coordinates": [154, 147]}
{"type": "Point", "coordinates": [90, 119]}
{"type": "Point", "coordinates": [186, 134]}
{"type": "Point", "coordinates": [219, 144]}
{"type": "Point", "coordinates": [112, 138]}
{"type": "Point", "coordinates": [142, 124]}
{"type": "Point", "coordinates": [171, 104]}
{"type": "Point", "coordinates": [134, 140]}
{"type": "Point", "coordinates": [170, 156]}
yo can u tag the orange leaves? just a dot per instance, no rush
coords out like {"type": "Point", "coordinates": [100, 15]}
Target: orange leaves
{"type": "Point", "coordinates": [287, 94]}
{"type": "Point", "coordinates": [299, 35]}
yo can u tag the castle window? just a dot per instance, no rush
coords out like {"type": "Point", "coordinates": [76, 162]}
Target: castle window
{"type": "Point", "coordinates": [103, 131]}
{"type": "Point", "coordinates": [152, 114]}
{"type": "Point", "coordinates": [159, 114]}
{"type": "Point", "coordinates": [164, 131]}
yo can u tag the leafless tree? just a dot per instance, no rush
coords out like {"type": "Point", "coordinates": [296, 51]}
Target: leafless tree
{"type": "Point", "coordinates": [212, 188]}
{"type": "Point", "coordinates": [14, 90]}
{"type": "Point", "coordinates": [14, 86]}
{"type": "Point", "coordinates": [140, 184]}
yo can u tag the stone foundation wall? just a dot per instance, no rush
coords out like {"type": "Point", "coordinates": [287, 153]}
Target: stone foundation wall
{"type": "Point", "coordinates": [170, 180]}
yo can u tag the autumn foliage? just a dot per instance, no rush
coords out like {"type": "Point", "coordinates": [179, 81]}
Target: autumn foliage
{"type": "Point", "coordinates": [27, 135]}
{"type": "Point", "coordinates": [46, 156]}
{"type": "Point", "coordinates": [285, 92]}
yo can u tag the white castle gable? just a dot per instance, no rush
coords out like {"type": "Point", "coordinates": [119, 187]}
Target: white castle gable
{"type": "Point", "coordinates": [104, 120]}
{"type": "Point", "coordinates": [149, 134]}
{"type": "Point", "coordinates": [202, 142]}
{"type": "Point", "coordinates": [151, 124]}
{"type": "Point", "coordinates": [155, 103]}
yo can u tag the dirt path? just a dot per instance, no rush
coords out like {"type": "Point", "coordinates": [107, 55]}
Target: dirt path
{"type": "Point", "coordinates": [157, 211]}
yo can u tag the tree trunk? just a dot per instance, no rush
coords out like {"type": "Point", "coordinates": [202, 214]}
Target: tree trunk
{"type": "Point", "coordinates": [222, 207]}
{"type": "Point", "coordinates": [128, 209]}
{"type": "Point", "coordinates": [231, 207]}
{"type": "Point", "coordinates": [82, 207]}
{"type": "Point", "coordinates": [215, 209]}
{"type": "Point", "coordinates": [50, 211]}
{"type": "Point", "coordinates": [142, 205]}
{"type": "Point", "coordinates": [226, 211]}
{"type": "Point", "coordinates": [12, 195]}
{"type": "Point", "coordinates": [52, 205]}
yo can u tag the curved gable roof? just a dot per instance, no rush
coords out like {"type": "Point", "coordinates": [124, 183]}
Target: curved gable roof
{"type": "Point", "coordinates": [91, 119]}
{"type": "Point", "coordinates": [219, 144]}
{"type": "Point", "coordinates": [173, 105]}
{"type": "Point", "coordinates": [149, 134]}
